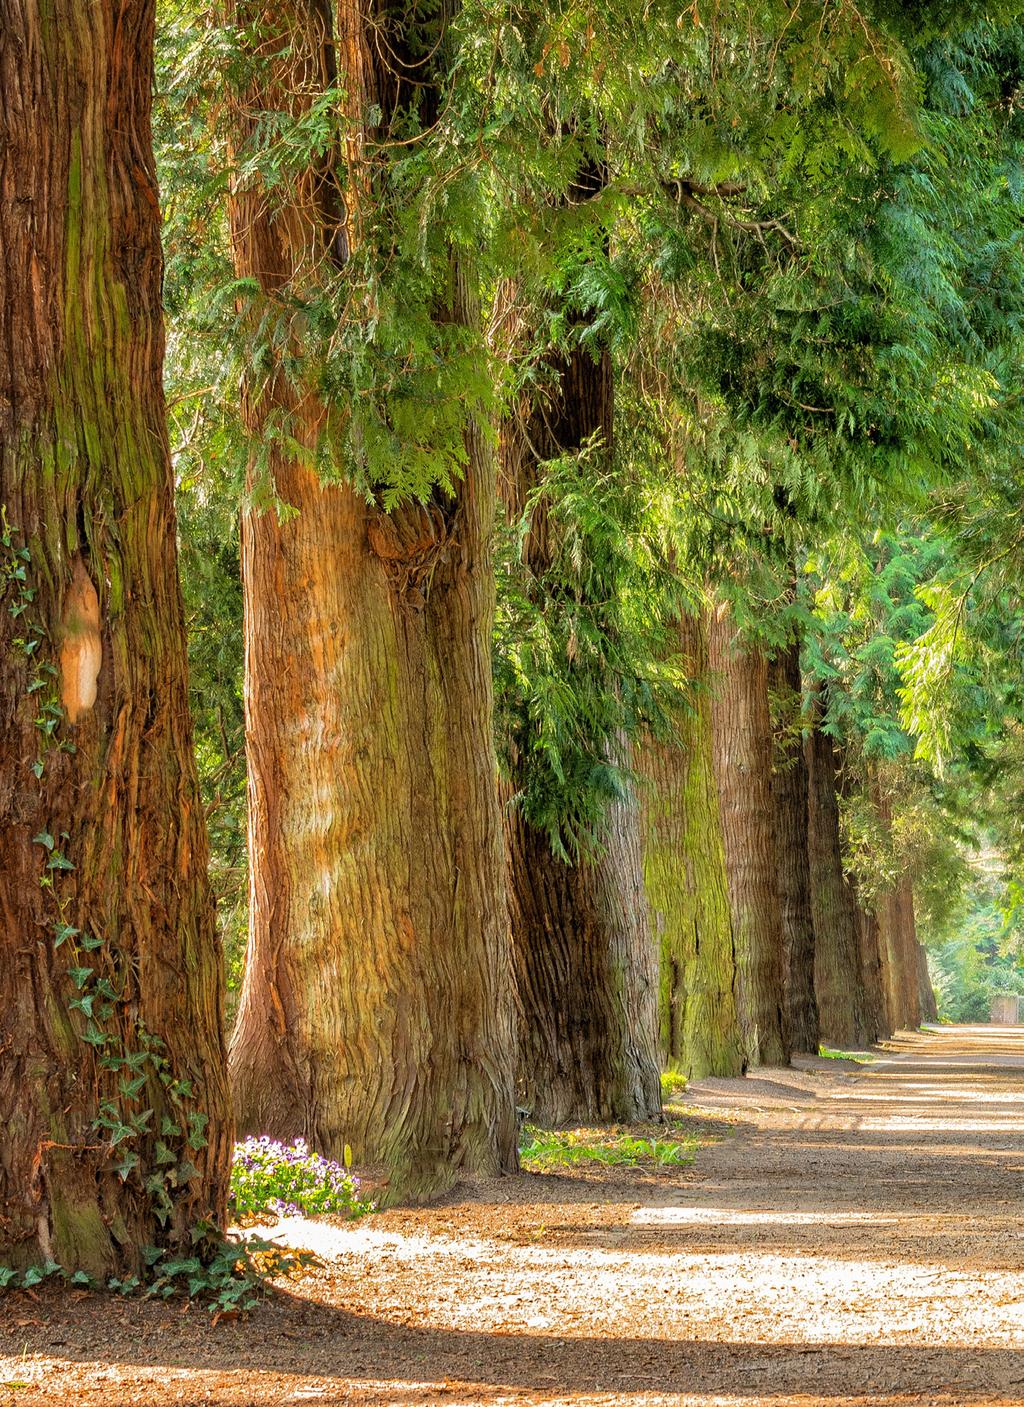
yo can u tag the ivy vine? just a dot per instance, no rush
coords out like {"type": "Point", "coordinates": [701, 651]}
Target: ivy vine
{"type": "Point", "coordinates": [227, 1274]}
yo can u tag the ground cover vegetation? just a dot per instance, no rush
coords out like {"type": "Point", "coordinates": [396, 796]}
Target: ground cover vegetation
{"type": "Point", "coordinates": [510, 566]}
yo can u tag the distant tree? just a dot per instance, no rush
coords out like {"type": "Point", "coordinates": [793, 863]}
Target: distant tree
{"type": "Point", "coordinates": [684, 867]}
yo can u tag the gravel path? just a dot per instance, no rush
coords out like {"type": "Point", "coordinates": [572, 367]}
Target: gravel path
{"type": "Point", "coordinates": [852, 1237]}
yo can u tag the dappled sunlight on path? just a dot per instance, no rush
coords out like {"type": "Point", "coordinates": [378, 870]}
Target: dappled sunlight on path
{"type": "Point", "coordinates": [853, 1238]}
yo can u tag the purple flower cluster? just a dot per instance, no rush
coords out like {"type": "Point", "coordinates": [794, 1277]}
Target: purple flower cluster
{"type": "Point", "coordinates": [290, 1180]}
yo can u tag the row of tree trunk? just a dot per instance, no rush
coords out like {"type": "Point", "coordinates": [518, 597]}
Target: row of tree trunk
{"type": "Point", "coordinates": [812, 963]}
{"type": "Point", "coordinates": [384, 981]}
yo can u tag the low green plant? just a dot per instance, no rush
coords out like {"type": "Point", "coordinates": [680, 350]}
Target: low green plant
{"type": "Point", "coordinates": [230, 1281]}
{"type": "Point", "coordinates": [291, 1180]}
{"type": "Point", "coordinates": [673, 1084]}
{"type": "Point", "coordinates": [546, 1149]}
{"type": "Point", "coordinates": [859, 1057]}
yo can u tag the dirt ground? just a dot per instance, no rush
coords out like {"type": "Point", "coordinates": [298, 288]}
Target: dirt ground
{"type": "Point", "coordinates": [851, 1237]}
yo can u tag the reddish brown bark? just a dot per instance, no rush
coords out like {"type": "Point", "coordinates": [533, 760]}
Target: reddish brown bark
{"type": "Point", "coordinates": [741, 727]}
{"type": "Point", "coordinates": [85, 480]}
{"type": "Point", "coordinates": [376, 1010]}
{"type": "Point", "coordinates": [790, 811]}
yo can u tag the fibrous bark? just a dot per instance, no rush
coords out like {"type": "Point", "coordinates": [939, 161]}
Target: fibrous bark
{"type": "Point", "coordinates": [684, 871]}
{"type": "Point", "coordinates": [376, 1010]}
{"type": "Point", "coordinates": [742, 734]}
{"type": "Point", "coordinates": [838, 978]}
{"type": "Point", "coordinates": [585, 962]}
{"type": "Point", "coordinates": [586, 972]}
{"type": "Point", "coordinates": [111, 1029]}
{"type": "Point", "coordinates": [790, 802]}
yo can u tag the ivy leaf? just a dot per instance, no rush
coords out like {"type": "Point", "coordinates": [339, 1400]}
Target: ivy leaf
{"type": "Point", "coordinates": [196, 1124]}
{"type": "Point", "coordinates": [80, 975]}
{"type": "Point", "coordinates": [45, 839]}
{"type": "Point", "coordinates": [129, 1161]}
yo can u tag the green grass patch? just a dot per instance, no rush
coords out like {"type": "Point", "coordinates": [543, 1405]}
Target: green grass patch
{"type": "Point", "coordinates": [859, 1057]}
{"type": "Point", "coordinates": [546, 1150]}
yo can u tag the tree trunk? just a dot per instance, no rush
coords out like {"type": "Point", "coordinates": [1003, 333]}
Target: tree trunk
{"type": "Point", "coordinates": [901, 985]}
{"type": "Point", "coordinates": [115, 1130]}
{"type": "Point", "coordinates": [904, 940]}
{"type": "Point", "coordinates": [742, 735]}
{"type": "Point", "coordinates": [587, 977]}
{"type": "Point", "coordinates": [376, 1009]}
{"type": "Point", "coordinates": [684, 872]}
{"type": "Point", "coordinates": [790, 809]}
{"type": "Point", "coordinates": [929, 1006]}
{"type": "Point", "coordinates": [872, 973]}
{"type": "Point", "coordinates": [838, 979]}
{"type": "Point", "coordinates": [585, 962]}
{"type": "Point", "coordinates": [897, 933]}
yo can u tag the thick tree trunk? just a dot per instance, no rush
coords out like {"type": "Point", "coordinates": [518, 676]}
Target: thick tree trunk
{"type": "Point", "coordinates": [742, 734]}
{"type": "Point", "coordinates": [115, 1129]}
{"type": "Point", "coordinates": [899, 962]}
{"type": "Point", "coordinates": [587, 977]}
{"type": "Point", "coordinates": [790, 802]}
{"type": "Point", "coordinates": [585, 962]}
{"type": "Point", "coordinates": [838, 978]}
{"type": "Point", "coordinates": [684, 871]}
{"type": "Point", "coordinates": [376, 1009]}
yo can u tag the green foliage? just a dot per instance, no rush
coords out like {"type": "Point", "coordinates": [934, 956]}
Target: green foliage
{"type": "Point", "coordinates": [208, 448]}
{"type": "Point", "coordinates": [976, 946]}
{"type": "Point", "coordinates": [581, 661]}
{"type": "Point", "coordinates": [228, 1277]}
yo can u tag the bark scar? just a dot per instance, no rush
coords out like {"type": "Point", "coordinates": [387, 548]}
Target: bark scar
{"type": "Point", "coordinates": [410, 541]}
{"type": "Point", "coordinates": [81, 649]}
